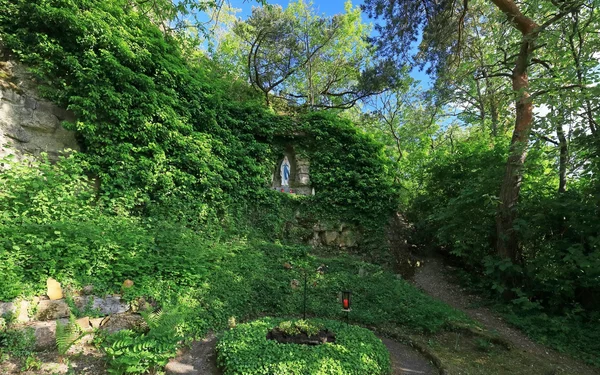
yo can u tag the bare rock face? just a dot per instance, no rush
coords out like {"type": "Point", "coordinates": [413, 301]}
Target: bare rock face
{"type": "Point", "coordinates": [398, 234]}
{"type": "Point", "coordinates": [348, 238]}
{"type": "Point", "coordinates": [54, 289]}
{"type": "Point", "coordinates": [329, 237]}
{"type": "Point", "coordinates": [29, 125]}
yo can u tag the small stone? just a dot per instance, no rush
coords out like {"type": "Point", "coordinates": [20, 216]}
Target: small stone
{"type": "Point", "coordinates": [295, 284]}
{"type": "Point", "coordinates": [127, 284]}
{"type": "Point", "coordinates": [96, 322]}
{"type": "Point", "coordinates": [287, 266]}
{"type": "Point", "coordinates": [54, 290]}
{"type": "Point", "coordinates": [84, 323]}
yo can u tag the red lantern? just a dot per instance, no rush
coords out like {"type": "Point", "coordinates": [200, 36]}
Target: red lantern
{"type": "Point", "coordinates": [346, 300]}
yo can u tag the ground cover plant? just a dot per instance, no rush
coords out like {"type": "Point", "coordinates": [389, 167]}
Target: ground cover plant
{"type": "Point", "coordinates": [245, 350]}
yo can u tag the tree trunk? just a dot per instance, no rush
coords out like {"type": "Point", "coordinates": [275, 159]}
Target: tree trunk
{"type": "Point", "coordinates": [494, 115]}
{"type": "Point", "coordinates": [563, 159]}
{"type": "Point", "coordinates": [506, 238]}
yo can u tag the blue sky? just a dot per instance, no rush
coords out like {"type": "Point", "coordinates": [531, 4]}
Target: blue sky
{"type": "Point", "coordinates": [327, 7]}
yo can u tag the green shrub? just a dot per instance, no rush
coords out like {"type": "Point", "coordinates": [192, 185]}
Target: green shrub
{"type": "Point", "coordinates": [245, 350]}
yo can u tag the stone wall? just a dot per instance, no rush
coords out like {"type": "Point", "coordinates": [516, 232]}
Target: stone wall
{"type": "Point", "coordinates": [29, 125]}
{"type": "Point", "coordinates": [340, 235]}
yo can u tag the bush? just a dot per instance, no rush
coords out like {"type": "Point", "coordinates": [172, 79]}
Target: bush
{"type": "Point", "coordinates": [245, 350]}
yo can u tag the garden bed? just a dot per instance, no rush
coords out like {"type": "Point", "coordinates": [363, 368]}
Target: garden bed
{"type": "Point", "coordinates": [247, 350]}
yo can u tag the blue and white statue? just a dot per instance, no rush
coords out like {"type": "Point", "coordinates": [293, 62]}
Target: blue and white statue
{"type": "Point", "coordinates": [285, 172]}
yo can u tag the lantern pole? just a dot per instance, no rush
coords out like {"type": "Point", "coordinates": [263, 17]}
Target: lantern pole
{"type": "Point", "coordinates": [346, 304]}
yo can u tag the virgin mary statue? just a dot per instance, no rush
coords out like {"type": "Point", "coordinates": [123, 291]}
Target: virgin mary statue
{"type": "Point", "coordinates": [285, 172]}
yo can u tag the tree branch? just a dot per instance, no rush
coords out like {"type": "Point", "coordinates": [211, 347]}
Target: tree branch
{"type": "Point", "coordinates": [568, 87]}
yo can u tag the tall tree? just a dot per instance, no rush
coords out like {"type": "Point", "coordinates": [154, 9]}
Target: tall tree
{"type": "Point", "coordinates": [312, 60]}
{"type": "Point", "coordinates": [442, 26]}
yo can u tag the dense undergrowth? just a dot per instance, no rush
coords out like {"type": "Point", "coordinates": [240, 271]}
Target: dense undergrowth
{"type": "Point", "coordinates": [200, 278]}
{"type": "Point", "coordinates": [552, 292]}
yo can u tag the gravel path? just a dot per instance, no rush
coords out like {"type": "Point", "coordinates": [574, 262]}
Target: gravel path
{"type": "Point", "coordinates": [434, 278]}
{"type": "Point", "coordinates": [200, 359]}
{"type": "Point", "coordinates": [406, 361]}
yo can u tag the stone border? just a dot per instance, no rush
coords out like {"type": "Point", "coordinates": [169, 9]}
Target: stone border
{"type": "Point", "coordinates": [38, 309]}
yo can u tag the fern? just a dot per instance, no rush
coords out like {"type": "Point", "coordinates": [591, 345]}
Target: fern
{"type": "Point", "coordinates": [130, 352]}
{"type": "Point", "coordinates": [68, 334]}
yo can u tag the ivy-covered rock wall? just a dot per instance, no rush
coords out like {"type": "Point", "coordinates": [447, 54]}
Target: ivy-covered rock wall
{"type": "Point", "coordinates": [169, 135]}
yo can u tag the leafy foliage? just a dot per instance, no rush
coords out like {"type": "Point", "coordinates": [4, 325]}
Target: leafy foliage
{"type": "Point", "coordinates": [131, 90]}
{"type": "Point", "coordinates": [296, 327]}
{"type": "Point", "coordinates": [245, 350]}
{"type": "Point", "coordinates": [311, 60]}
{"type": "Point", "coordinates": [551, 289]}
{"type": "Point", "coordinates": [131, 352]}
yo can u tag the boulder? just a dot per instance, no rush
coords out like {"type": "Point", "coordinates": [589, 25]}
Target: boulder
{"type": "Point", "coordinates": [45, 333]}
{"type": "Point", "coordinates": [104, 306]}
{"type": "Point", "coordinates": [348, 238]}
{"type": "Point", "coordinates": [54, 289]}
{"type": "Point", "coordinates": [23, 311]}
{"type": "Point", "coordinates": [118, 322]}
{"type": "Point", "coordinates": [7, 308]}
{"type": "Point", "coordinates": [329, 237]}
{"type": "Point", "coordinates": [51, 310]}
